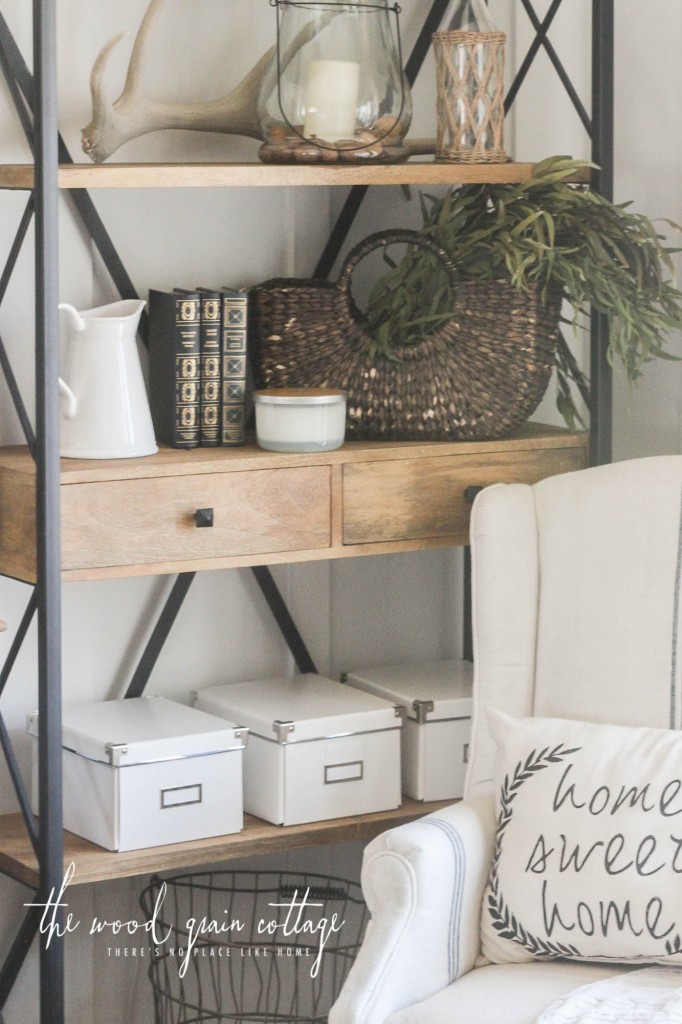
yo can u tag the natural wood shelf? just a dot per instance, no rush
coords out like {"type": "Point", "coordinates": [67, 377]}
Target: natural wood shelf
{"type": "Point", "coordinates": [205, 175]}
{"type": "Point", "coordinates": [95, 864]}
{"type": "Point", "coordinates": [174, 462]}
{"type": "Point", "coordinates": [133, 517]}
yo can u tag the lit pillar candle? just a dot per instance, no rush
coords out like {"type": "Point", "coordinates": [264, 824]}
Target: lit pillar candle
{"type": "Point", "coordinates": [331, 99]}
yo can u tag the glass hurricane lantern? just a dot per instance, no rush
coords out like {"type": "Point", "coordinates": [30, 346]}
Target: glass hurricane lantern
{"type": "Point", "coordinates": [335, 90]}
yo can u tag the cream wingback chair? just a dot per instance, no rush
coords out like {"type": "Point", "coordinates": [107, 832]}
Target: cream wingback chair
{"type": "Point", "coordinates": [576, 604]}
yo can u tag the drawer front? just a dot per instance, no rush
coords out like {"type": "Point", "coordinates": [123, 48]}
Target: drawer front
{"type": "Point", "coordinates": [140, 522]}
{"type": "Point", "coordinates": [419, 499]}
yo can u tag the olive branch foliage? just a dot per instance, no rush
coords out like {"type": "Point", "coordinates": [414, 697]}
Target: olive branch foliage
{"type": "Point", "coordinates": [504, 921]}
{"type": "Point", "coordinates": [548, 231]}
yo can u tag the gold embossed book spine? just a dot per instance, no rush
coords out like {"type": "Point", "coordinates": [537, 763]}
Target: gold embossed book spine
{"type": "Point", "coordinates": [175, 367]}
{"type": "Point", "coordinates": [235, 339]}
{"type": "Point", "coordinates": [211, 398]}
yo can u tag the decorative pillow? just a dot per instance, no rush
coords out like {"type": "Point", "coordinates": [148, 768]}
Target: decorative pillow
{"type": "Point", "coordinates": [588, 854]}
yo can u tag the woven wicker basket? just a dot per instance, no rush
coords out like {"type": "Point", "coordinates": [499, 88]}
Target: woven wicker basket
{"type": "Point", "coordinates": [478, 376]}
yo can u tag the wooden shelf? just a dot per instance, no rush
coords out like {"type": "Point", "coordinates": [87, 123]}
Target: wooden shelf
{"type": "Point", "coordinates": [174, 462]}
{"type": "Point", "coordinates": [95, 864]}
{"type": "Point", "coordinates": [205, 175]}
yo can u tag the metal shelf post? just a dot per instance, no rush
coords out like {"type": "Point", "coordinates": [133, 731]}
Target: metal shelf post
{"type": "Point", "coordinates": [46, 194]}
{"type": "Point", "coordinates": [601, 387]}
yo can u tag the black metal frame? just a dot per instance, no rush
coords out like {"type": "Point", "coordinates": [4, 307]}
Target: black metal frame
{"type": "Point", "coordinates": [35, 103]}
{"type": "Point", "coordinates": [601, 384]}
{"type": "Point", "coordinates": [46, 197]}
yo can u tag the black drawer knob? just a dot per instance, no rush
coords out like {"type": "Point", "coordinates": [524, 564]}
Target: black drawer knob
{"type": "Point", "coordinates": [203, 517]}
{"type": "Point", "coordinates": [471, 492]}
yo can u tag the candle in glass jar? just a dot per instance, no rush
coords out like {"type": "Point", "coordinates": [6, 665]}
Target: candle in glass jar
{"type": "Point", "coordinates": [300, 419]}
{"type": "Point", "coordinates": [331, 99]}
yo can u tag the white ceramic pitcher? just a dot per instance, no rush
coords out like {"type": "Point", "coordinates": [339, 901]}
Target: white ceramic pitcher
{"type": "Point", "coordinates": [105, 411]}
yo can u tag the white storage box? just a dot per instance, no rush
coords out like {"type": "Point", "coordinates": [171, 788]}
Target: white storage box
{"type": "Point", "coordinates": [147, 771]}
{"type": "Point", "coordinates": [316, 750]}
{"type": "Point", "coordinates": [435, 737]}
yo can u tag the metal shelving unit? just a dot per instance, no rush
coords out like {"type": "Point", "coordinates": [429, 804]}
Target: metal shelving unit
{"type": "Point", "coordinates": [36, 106]}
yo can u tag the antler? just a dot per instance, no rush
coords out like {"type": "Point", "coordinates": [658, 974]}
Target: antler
{"type": "Point", "coordinates": [134, 114]}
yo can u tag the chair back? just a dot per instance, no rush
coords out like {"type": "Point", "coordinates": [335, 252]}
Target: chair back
{"type": "Point", "coordinates": [576, 600]}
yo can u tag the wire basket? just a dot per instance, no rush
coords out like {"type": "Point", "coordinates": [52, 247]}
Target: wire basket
{"type": "Point", "coordinates": [251, 946]}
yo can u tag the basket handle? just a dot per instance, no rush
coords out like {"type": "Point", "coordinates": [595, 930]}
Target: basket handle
{"type": "Point", "coordinates": [381, 239]}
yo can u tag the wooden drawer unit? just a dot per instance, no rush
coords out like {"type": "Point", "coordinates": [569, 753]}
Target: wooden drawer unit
{"type": "Point", "coordinates": [138, 516]}
{"type": "Point", "coordinates": [152, 521]}
{"type": "Point", "coordinates": [143, 516]}
{"type": "Point", "coordinates": [414, 499]}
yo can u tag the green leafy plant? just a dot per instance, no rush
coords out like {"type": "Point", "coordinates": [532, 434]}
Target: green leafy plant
{"type": "Point", "coordinates": [549, 232]}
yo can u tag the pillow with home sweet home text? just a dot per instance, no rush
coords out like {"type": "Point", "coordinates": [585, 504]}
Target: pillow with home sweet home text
{"type": "Point", "coordinates": [588, 853]}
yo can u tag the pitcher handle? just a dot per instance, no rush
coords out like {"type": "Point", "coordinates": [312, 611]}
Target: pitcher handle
{"type": "Point", "coordinates": [69, 400]}
{"type": "Point", "coordinates": [77, 321]}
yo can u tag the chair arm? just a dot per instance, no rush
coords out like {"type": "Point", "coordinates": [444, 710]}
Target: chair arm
{"type": "Point", "coordinates": [423, 883]}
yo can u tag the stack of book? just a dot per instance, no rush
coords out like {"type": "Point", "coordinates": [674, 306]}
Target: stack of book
{"type": "Point", "coordinates": [197, 366]}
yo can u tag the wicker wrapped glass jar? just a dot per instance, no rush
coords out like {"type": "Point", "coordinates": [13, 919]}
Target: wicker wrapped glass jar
{"type": "Point", "coordinates": [470, 87]}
